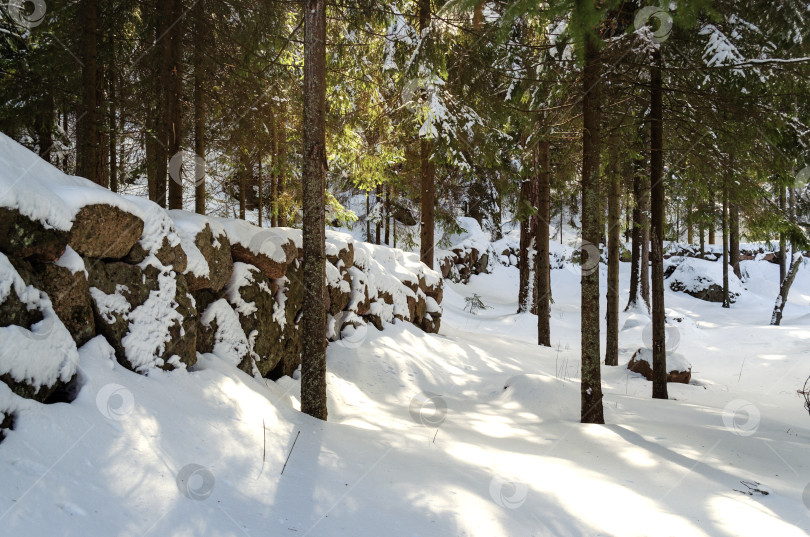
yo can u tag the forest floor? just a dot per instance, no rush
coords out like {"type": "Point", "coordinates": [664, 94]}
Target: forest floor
{"type": "Point", "coordinates": [470, 432]}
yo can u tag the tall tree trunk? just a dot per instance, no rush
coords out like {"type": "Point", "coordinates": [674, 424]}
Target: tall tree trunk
{"type": "Point", "coordinates": [44, 129]}
{"type": "Point", "coordinates": [591, 410]}
{"type": "Point", "coordinates": [427, 171]}
{"type": "Point", "coordinates": [242, 178]}
{"type": "Point", "coordinates": [175, 101]}
{"type": "Point", "coordinates": [645, 233]}
{"type": "Point", "coordinates": [88, 158]}
{"type": "Point", "coordinates": [528, 232]}
{"type": "Point", "coordinates": [388, 214]}
{"type": "Point", "coordinates": [782, 239]}
{"type": "Point", "coordinates": [784, 289]}
{"type": "Point", "coordinates": [542, 262]}
{"type": "Point", "coordinates": [378, 228]}
{"type": "Point", "coordinates": [281, 178]}
{"type": "Point", "coordinates": [368, 216]}
{"type": "Point", "coordinates": [628, 213]}
{"type": "Point", "coordinates": [113, 131]}
{"type": "Point", "coordinates": [200, 35]}
{"type": "Point", "coordinates": [724, 221]}
{"type": "Point", "coordinates": [313, 330]}
{"type": "Point", "coordinates": [636, 236]}
{"type": "Point", "coordinates": [273, 168]}
{"type": "Point", "coordinates": [734, 238]}
{"type": "Point", "coordinates": [151, 152]}
{"type": "Point", "coordinates": [259, 184]}
{"type": "Point", "coordinates": [712, 210]}
{"type": "Point", "coordinates": [690, 228]}
{"type": "Point", "coordinates": [614, 237]}
{"type": "Point", "coordinates": [657, 217]}
{"type": "Point", "coordinates": [164, 17]}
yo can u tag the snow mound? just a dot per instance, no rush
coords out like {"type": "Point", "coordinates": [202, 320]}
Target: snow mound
{"type": "Point", "coordinates": [702, 279]}
{"type": "Point", "coordinates": [675, 361]}
{"type": "Point", "coordinates": [546, 396]}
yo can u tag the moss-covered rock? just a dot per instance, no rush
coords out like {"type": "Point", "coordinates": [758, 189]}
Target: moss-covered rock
{"type": "Point", "coordinates": [25, 238]}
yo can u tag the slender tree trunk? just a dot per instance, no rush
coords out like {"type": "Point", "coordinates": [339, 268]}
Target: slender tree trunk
{"type": "Point", "coordinates": [427, 189]}
{"type": "Point", "coordinates": [591, 410]}
{"type": "Point", "coordinates": [724, 221]}
{"type": "Point", "coordinates": [645, 233]}
{"type": "Point", "coordinates": [259, 183]}
{"type": "Point", "coordinates": [199, 105]}
{"type": "Point", "coordinates": [628, 213]}
{"type": "Point", "coordinates": [44, 129]}
{"type": "Point", "coordinates": [313, 331]}
{"type": "Point", "coordinates": [88, 158]}
{"type": "Point", "coordinates": [541, 259]}
{"type": "Point", "coordinates": [151, 151]}
{"type": "Point", "coordinates": [242, 178]}
{"type": "Point", "coordinates": [281, 178]}
{"type": "Point", "coordinates": [528, 231]}
{"type": "Point", "coordinates": [657, 216]}
{"type": "Point", "coordinates": [734, 238]}
{"type": "Point", "coordinates": [274, 167]}
{"type": "Point", "coordinates": [163, 112]}
{"type": "Point", "coordinates": [614, 237]}
{"type": "Point", "coordinates": [378, 227]}
{"type": "Point", "coordinates": [702, 241]}
{"type": "Point", "coordinates": [635, 253]}
{"type": "Point", "coordinates": [113, 134]}
{"type": "Point", "coordinates": [784, 289]}
{"type": "Point", "coordinates": [712, 209]}
{"type": "Point", "coordinates": [368, 216]}
{"type": "Point", "coordinates": [175, 99]}
{"type": "Point", "coordinates": [427, 171]}
{"type": "Point", "coordinates": [388, 214]}
{"type": "Point", "coordinates": [782, 239]}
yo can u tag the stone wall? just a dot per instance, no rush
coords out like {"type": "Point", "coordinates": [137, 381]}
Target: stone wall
{"type": "Point", "coordinates": [161, 286]}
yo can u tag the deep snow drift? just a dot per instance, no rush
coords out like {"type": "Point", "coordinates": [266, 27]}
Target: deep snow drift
{"type": "Point", "coordinates": [470, 432]}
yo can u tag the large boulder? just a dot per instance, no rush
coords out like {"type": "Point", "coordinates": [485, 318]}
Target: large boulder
{"type": "Point", "coordinates": [359, 299]}
{"type": "Point", "coordinates": [289, 343]}
{"type": "Point", "coordinates": [67, 287]}
{"type": "Point", "coordinates": [339, 288]}
{"type": "Point", "coordinates": [702, 279]}
{"type": "Point", "coordinates": [271, 250]}
{"type": "Point", "coordinates": [273, 265]}
{"type": "Point", "coordinates": [169, 255]}
{"type": "Point", "coordinates": [38, 355]}
{"type": "Point", "coordinates": [221, 333]}
{"type": "Point", "coordinates": [216, 251]}
{"type": "Point", "coordinates": [263, 307]}
{"type": "Point", "coordinates": [432, 319]}
{"type": "Point", "coordinates": [159, 238]}
{"type": "Point", "coordinates": [146, 314]}
{"type": "Point", "coordinates": [104, 231]}
{"type": "Point", "coordinates": [339, 252]}
{"type": "Point", "coordinates": [25, 238]}
{"type": "Point", "coordinates": [678, 368]}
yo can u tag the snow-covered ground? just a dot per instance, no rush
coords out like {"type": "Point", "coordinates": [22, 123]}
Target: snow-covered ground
{"type": "Point", "coordinates": [470, 432]}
